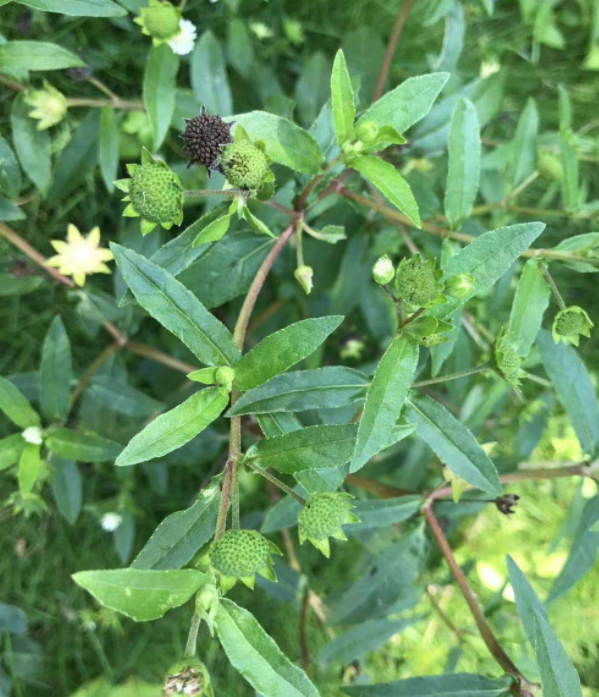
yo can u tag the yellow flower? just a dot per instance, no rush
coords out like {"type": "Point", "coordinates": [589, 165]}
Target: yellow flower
{"type": "Point", "coordinates": [80, 256]}
{"type": "Point", "coordinates": [49, 106]}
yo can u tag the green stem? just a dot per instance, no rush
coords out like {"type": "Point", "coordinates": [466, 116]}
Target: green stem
{"type": "Point", "coordinates": [203, 193]}
{"type": "Point", "coordinates": [412, 317]}
{"type": "Point", "coordinates": [277, 482]}
{"type": "Point", "coordinates": [452, 376]}
{"type": "Point", "coordinates": [192, 637]}
{"type": "Point", "coordinates": [554, 289]}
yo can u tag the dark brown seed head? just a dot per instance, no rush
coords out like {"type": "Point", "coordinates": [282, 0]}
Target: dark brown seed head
{"type": "Point", "coordinates": [205, 136]}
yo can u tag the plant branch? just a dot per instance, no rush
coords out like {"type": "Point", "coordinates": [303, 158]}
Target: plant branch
{"type": "Point", "coordinates": [398, 27]}
{"type": "Point", "coordinates": [275, 480]}
{"type": "Point", "coordinates": [452, 376]}
{"type": "Point", "coordinates": [554, 289]}
{"type": "Point", "coordinates": [204, 193]}
{"type": "Point", "coordinates": [192, 638]}
{"type": "Point", "coordinates": [493, 644]}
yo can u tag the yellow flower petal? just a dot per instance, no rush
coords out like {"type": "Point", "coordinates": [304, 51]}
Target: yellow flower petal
{"type": "Point", "coordinates": [59, 245]}
{"type": "Point", "coordinates": [94, 236]}
{"type": "Point", "coordinates": [73, 234]}
{"type": "Point", "coordinates": [102, 268]}
{"type": "Point", "coordinates": [79, 278]}
{"type": "Point", "coordinates": [54, 261]}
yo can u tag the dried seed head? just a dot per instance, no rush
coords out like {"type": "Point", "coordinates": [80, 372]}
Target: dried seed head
{"type": "Point", "coordinates": [187, 680]}
{"type": "Point", "coordinates": [205, 137]}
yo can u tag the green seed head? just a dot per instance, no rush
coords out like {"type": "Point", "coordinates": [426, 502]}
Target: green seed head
{"type": "Point", "coordinates": [161, 20]}
{"type": "Point", "coordinates": [506, 360]}
{"type": "Point", "coordinates": [244, 165]}
{"type": "Point", "coordinates": [323, 516]}
{"type": "Point", "coordinates": [570, 324]}
{"type": "Point", "coordinates": [156, 193]}
{"type": "Point", "coordinates": [416, 281]}
{"type": "Point", "coordinates": [240, 553]}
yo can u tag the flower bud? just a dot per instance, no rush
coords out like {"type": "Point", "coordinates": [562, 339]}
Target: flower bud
{"type": "Point", "coordinates": [383, 270]}
{"type": "Point", "coordinates": [460, 286]}
{"type": "Point", "coordinates": [367, 132]}
{"type": "Point", "coordinates": [49, 106]}
{"type": "Point", "coordinates": [303, 275]}
{"type": "Point", "coordinates": [550, 166]}
{"type": "Point", "coordinates": [225, 376]}
{"type": "Point", "coordinates": [33, 435]}
{"type": "Point", "coordinates": [570, 324]}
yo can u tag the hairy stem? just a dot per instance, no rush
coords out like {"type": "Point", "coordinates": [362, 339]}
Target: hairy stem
{"type": "Point", "coordinates": [274, 480]}
{"type": "Point", "coordinates": [452, 376]}
{"type": "Point", "coordinates": [192, 637]}
{"type": "Point", "coordinates": [554, 289]}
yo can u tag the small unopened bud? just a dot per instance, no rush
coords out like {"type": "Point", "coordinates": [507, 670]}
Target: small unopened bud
{"type": "Point", "coordinates": [383, 270]}
{"type": "Point", "coordinates": [367, 132]}
{"type": "Point", "coordinates": [303, 275]}
{"type": "Point", "coordinates": [550, 166]}
{"type": "Point", "coordinates": [506, 503]}
{"type": "Point", "coordinates": [225, 376]}
{"type": "Point", "coordinates": [49, 106]}
{"type": "Point", "coordinates": [460, 286]}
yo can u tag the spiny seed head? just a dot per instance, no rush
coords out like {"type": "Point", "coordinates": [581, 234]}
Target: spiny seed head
{"type": "Point", "coordinates": [417, 281]}
{"type": "Point", "coordinates": [570, 324]}
{"type": "Point", "coordinates": [506, 360]}
{"type": "Point", "coordinates": [161, 20]}
{"type": "Point", "coordinates": [244, 165]}
{"type": "Point", "coordinates": [240, 554]}
{"type": "Point", "coordinates": [205, 137]}
{"type": "Point", "coordinates": [156, 193]}
{"type": "Point", "coordinates": [323, 516]}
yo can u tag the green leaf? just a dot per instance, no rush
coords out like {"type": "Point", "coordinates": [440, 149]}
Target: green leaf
{"type": "Point", "coordinates": [82, 446]}
{"type": "Point", "coordinates": [30, 465]}
{"type": "Point", "coordinates": [487, 259]}
{"type": "Point", "coordinates": [16, 407]}
{"type": "Point", "coordinates": [463, 173]}
{"type": "Point", "coordinates": [159, 87]}
{"type": "Point", "coordinates": [176, 308]}
{"type": "Point", "coordinates": [530, 302]}
{"type": "Point", "coordinates": [77, 8]}
{"type": "Point", "coordinates": [385, 398]}
{"type": "Point", "coordinates": [240, 50]}
{"type": "Point", "coordinates": [256, 656]}
{"type": "Point", "coordinates": [349, 646]}
{"type": "Point", "coordinates": [56, 372]}
{"type": "Point", "coordinates": [389, 578]}
{"type": "Point", "coordinates": [214, 231]}
{"type": "Point", "coordinates": [380, 513]}
{"type": "Point", "coordinates": [286, 143]}
{"type": "Point", "coordinates": [32, 146]}
{"type": "Point", "coordinates": [9, 285]}
{"type": "Point", "coordinates": [342, 98]}
{"type": "Point", "coordinates": [558, 676]}
{"type": "Point", "coordinates": [10, 174]}
{"type": "Point", "coordinates": [67, 488]}
{"type": "Point", "coordinates": [455, 685]}
{"type": "Point", "coordinates": [313, 447]}
{"type": "Point", "coordinates": [209, 76]}
{"type": "Point", "coordinates": [574, 387]}
{"type": "Point", "coordinates": [280, 351]}
{"type": "Point", "coordinates": [524, 145]}
{"type": "Point", "coordinates": [140, 594]}
{"type": "Point", "coordinates": [108, 146]}
{"type": "Point", "coordinates": [180, 535]}
{"type": "Point", "coordinates": [36, 55]}
{"type": "Point", "coordinates": [323, 388]}
{"type": "Point", "coordinates": [454, 444]}
{"type": "Point", "coordinates": [570, 181]}
{"type": "Point", "coordinates": [390, 183]}
{"type": "Point", "coordinates": [585, 244]}
{"type": "Point", "coordinates": [122, 398]}
{"type": "Point", "coordinates": [407, 104]}
{"type": "Point", "coordinates": [583, 552]}
{"type": "Point", "coordinates": [11, 448]}
{"type": "Point", "coordinates": [10, 211]}
{"type": "Point", "coordinates": [175, 428]}
{"type": "Point", "coordinates": [78, 158]}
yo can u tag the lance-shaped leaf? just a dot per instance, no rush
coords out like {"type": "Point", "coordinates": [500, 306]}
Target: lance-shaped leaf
{"type": "Point", "coordinates": [16, 406]}
{"type": "Point", "coordinates": [530, 302]}
{"type": "Point", "coordinates": [32, 146]}
{"type": "Point", "coordinates": [570, 180]}
{"type": "Point", "coordinates": [82, 446]}
{"type": "Point", "coordinates": [463, 174]}
{"type": "Point", "coordinates": [385, 398]}
{"type": "Point", "coordinates": [108, 146]}
{"type": "Point", "coordinates": [122, 398]}
{"type": "Point", "coordinates": [280, 351]}
{"type": "Point", "coordinates": [160, 81]}
{"type": "Point", "coordinates": [524, 145]}
{"type": "Point", "coordinates": [140, 594]}
{"type": "Point", "coordinates": [30, 465]}
{"type": "Point", "coordinates": [342, 98]}
{"type": "Point", "coordinates": [574, 387]}
{"type": "Point", "coordinates": [180, 535]}
{"type": "Point", "coordinates": [583, 551]}
{"type": "Point", "coordinates": [37, 55]}
{"type": "Point", "coordinates": [558, 676]}
{"type": "Point", "coordinates": [175, 428]}
{"type": "Point", "coordinates": [257, 657]}
{"type": "Point", "coordinates": [390, 183]}
{"type": "Point", "coordinates": [406, 104]}
{"type": "Point", "coordinates": [313, 447]}
{"type": "Point", "coordinates": [487, 259]}
{"type": "Point", "coordinates": [11, 448]}
{"type": "Point", "coordinates": [56, 372]}
{"type": "Point", "coordinates": [301, 390]}
{"type": "Point", "coordinates": [209, 75]}
{"type": "Point", "coordinates": [379, 513]}
{"type": "Point", "coordinates": [176, 308]}
{"type": "Point", "coordinates": [67, 488]}
{"type": "Point", "coordinates": [77, 8]}
{"type": "Point", "coordinates": [455, 685]}
{"type": "Point", "coordinates": [454, 444]}
{"type": "Point", "coordinates": [286, 143]}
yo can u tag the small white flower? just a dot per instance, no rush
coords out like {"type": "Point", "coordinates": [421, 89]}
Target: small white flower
{"type": "Point", "coordinates": [184, 41]}
{"type": "Point", "coordinates": [489, 68]}
{"type": "Point", "coordinates": [111, 521]}
{"type": "Point", "coordinates": [33, 435]}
